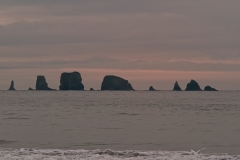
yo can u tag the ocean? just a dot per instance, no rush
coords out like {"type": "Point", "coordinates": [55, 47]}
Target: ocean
{"type": "Point", "coordinates": [119, 125]}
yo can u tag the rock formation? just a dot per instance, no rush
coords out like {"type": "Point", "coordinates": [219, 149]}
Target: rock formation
{"type": "Point", "coordinates": [41, 83]}
{"type": "Point", "coordinates": [116, 83]}
{"type": "Point", "coordinates": [208, 88]}
{"type": "Point", "coordinates": [11, 88]}
{"type": "Point", "coordinates": [177, 87]}
{"type": "Point", "coordinates": [30, 89]}
{"type": "Point", "coordinates": [151, 88]}
{"type": "Point", "coordinates": [193, 86]}
{"type": "Point", "coordinates": [71, 81]}
{"type": "Point", "coordinates": [91, 89]}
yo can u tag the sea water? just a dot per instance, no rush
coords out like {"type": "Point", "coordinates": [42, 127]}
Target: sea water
{"type": "Point", "coordinates": [119, 125]}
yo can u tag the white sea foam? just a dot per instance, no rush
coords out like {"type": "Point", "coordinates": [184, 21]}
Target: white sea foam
{"type": "Point", "coordinates": [37, 154]}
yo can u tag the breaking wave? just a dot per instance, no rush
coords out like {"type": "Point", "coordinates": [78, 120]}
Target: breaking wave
{"type": "Point", "coordinates": [56, 154]}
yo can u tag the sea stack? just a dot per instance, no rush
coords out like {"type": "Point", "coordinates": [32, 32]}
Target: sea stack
{"type": "Point", "coordinates": [193, 86]}
{"type": "Point", "coordinates": [11, 88]}
{"type": "Point", "coordinates": [151, 88]}
{"type": "Point", "coordinates": [115, 83]}
{"type": "Point", "coordinates": [30, 89]}
{"type": "Point", "coordinates": [209, 88]}
{"type": "Point", "coordinates": [41, 83]}
{"type": "Point", "coordinates": [177, 87]}
{"type": "Point", "coordinates": [71, 81]}
{"type": "Point", "coordinates": [91, 89]}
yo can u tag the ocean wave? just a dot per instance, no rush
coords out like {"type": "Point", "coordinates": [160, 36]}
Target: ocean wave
{"type": "Point", "coordinates": [56, 154]}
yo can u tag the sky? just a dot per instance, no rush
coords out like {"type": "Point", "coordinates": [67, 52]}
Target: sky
{"type": "Point", "coordinates": [150, 43]}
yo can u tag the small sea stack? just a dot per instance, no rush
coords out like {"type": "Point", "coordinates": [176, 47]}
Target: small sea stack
{"type": "Point", "coordinates": [42, 84]}
{"type": "Point", "coordinates": [151, 88]}
{"type": "Point", "coordinates": [114, 83]}
{"type": "Point", "coordinates": [71, 81]}
{"type": "Point", "coordinates": [193, 86]}
{"type": "Point", "coordinates": [209, 88]}
{"type": "Point", "coordinates": [91, 89]}
{"type": "Point", "coordinates": [30, 89]}
{"type": "Point", "coordinates": [177, 87]}
{"type": "Point", "coordinates": [11, 88]}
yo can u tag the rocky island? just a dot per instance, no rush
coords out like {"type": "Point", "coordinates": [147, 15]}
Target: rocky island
{"type": "Point", "coordinates": [41, 83]}
{"type": "Point", "coordinates": [151, 88]}
{"type": "Point", "coordinates": [193, 86]}
{"type": "Point", "coordinates": [71, 81]}
{"type": "Point", "coordinates": [209, 88]}
{"type": "Point", "coordinates": [115, 83]}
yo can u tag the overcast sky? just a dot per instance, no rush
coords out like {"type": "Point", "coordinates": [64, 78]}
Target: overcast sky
{"type": "Point", "coordinates": [147, 42]}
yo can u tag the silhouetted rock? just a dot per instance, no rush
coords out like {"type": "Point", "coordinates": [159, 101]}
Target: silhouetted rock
{"type": "Point", "coordinates": [208, 88]}
{"type": "Point", "coordinates": [41, 83]}
{"type": "Point", "coordinates": [11, 88]}
{"type": "Point", "coordinates": [91, 89]}
{"type": "Point", "coordinates": [177, 87]}
{"type": "Point", "coordinates": [116, 83]}
{"type": "Point", "coordinates": [71, 81]}
{"type": "Point", "coordinates": [193, 86]}
{"type": "Point", "coordinates": [151, 88]}
{"type": "Point", "coordinates": [30, 89]}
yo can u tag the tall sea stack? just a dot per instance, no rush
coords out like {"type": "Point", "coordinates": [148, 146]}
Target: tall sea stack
{"type": "Point", "coordinates": [11, 88]}
{"type": "Point", "coordinates": [115, 83]}
{"type": "Point", "coordinates": [41, 83]}
{"type": "Point", "coordinates": [177, 87]}
{"type": "Point", "coordinates": [193, 86]}
{"type": "Point", "coordinates": [71, 81]}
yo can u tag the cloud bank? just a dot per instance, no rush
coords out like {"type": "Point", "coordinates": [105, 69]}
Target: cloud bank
{"type": "Point", "coordinates": [152, 39]}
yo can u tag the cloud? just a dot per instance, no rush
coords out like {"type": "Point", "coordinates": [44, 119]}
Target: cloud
{"type": "Point", "coordinates": [121, 35]}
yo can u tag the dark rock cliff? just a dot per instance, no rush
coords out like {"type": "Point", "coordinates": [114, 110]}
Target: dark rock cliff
{"type": "Point", "coordinates": [42, 84]}
{"type": "Point", "coordinates": [116, 83]}
{"type": "Point", "coordinates": [71, 81]}
{"type": "Point", "coordinates": [193, 86]}
{"type": "Point", "coordinates": [209, 88]}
